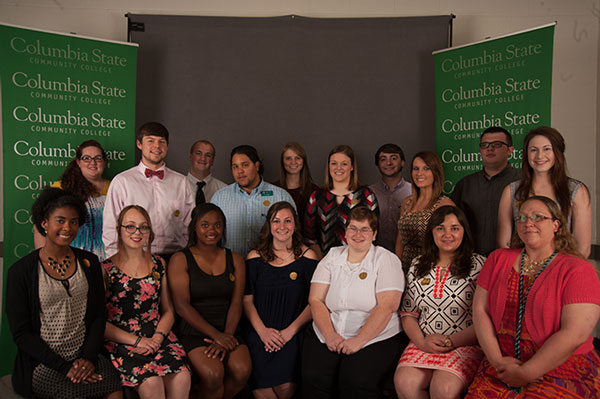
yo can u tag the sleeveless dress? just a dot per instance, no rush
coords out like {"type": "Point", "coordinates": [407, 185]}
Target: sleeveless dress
{"type": "Point", "coordinates": [412, 227]}
{"type": "Point", "coordinates": [280, 295]}
{"type": "Point", "coordinates": [210, 296]}
{"type": "Point", "coordinates": [62, 313]}
{"type": "Point", "coordinates": [133, 305]}
{"type": "Point", "coordinates": [574, 186]}
{"type": "Point", "coordinates": [576, 378]}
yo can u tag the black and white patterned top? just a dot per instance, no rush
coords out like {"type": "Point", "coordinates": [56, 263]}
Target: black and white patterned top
{"type": "Point", "coordinates": [441, 303]}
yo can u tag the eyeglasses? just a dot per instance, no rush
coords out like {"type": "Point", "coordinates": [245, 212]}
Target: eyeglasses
{"type": "Point", "coordinates": [131, 229]}
{"type": "Point", "coordinates": [354, 230]}
{"type": "Point", "coordinates": [494, 144]}
{"type": "Point", "coordinates": [535, 218]}
{"type": "Point", "coordinates": [88, 159]}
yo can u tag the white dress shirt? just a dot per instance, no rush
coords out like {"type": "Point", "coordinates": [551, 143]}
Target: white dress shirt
{"type": "Point", "coordinates": [212, 185]}
{"type": "Point", "coordinates": [169, 202]}
{"type": "Point", "coordinates": [353, 288]}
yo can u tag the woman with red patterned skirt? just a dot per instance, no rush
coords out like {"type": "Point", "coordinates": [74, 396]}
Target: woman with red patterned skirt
{"type": "Point", "coordinates": [534, 312]}
{"type": "Point", "coordinates": [443, 355]}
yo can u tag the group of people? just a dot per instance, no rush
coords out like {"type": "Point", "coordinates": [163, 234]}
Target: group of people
{"type": "Point", "coordinates": [183, 287]}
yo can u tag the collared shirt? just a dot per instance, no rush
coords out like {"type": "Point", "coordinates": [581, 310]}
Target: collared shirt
{"type": "Point", "coordinates": [169, 202]}
{"type": "Point", "coordinates": [389, 203]}
{"type": "Point", "coordinates": [479, 197]}
{"type": "Point", "coordinates": [246, 213]}
{"type": "Point", "coordinates": [353, 289]}
{"type": "Point", "coordinates": [212, 185]}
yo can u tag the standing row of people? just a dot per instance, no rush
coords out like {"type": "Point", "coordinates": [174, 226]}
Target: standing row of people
{"type": "Point", "coordinates": [342, 197]}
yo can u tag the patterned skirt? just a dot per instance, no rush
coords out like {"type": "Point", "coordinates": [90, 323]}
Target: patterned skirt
{"type": "Point", "coordinates": [462, 361]}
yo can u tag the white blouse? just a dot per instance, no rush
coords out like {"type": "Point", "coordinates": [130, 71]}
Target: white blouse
{"type": "Point", "coordinates": [353, 287]}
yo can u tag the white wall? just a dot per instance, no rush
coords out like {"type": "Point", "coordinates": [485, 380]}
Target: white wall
{"type": "Point", "coordinates": [575, 85]}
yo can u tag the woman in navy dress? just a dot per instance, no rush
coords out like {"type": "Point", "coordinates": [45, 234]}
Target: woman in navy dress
{"type": "Point", "coordinates": [279, 271]}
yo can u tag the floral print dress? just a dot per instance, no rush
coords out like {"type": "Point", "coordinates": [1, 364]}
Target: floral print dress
{"type": "Point", "coordinates": [133, 304]}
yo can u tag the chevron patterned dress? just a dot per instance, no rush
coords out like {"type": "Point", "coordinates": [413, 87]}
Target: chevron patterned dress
{"type": "Point", "coordinates": [325, 219]}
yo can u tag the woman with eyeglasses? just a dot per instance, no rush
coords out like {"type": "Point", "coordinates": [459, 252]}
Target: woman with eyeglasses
{"type": "Point", "coordinates": [545, 173]}
{"type": "Point", "coordinates": [56, 311]}
{"type": "Point", "coordinates": [443, 354]}
{"type": "Point", "coordinates": [534, 310]}
{"type": "Point", "coordinates": [354, 341]}
{"type": "Point", "coordinates": [427, 195]}
{"type": "Point", "coordinates": [83, 176]}
{"type": "Point", "coordinates": [138, 333]}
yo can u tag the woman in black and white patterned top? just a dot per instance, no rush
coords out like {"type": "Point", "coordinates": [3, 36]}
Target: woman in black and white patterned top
{"type": "Point", "coordinates": [55, 309]}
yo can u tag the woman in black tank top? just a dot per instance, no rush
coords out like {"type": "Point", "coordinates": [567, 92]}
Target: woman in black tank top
{"type": "Point", "coordinates": [207, 283]}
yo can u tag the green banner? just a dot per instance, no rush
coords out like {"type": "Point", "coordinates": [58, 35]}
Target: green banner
{"type": "Point", "coordinates": [504, 81]}
{"type": "Point", "coordinates": [57, 91]}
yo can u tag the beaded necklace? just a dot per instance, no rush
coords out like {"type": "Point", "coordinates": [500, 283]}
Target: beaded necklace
{"type": "Point", "coordinates": [523, 301]}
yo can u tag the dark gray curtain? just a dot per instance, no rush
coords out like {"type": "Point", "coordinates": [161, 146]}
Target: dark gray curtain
{"type": "Point", "coordinates": [266, 81]}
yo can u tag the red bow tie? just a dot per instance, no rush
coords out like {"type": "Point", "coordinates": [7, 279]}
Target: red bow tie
{"type": "Point", "coordinates": [158, 173]}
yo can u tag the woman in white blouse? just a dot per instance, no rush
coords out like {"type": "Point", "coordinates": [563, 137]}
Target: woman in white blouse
{"type": "Point", "coordinates": [354, 297]}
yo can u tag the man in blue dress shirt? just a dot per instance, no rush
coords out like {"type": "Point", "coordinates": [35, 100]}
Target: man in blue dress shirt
{"type": "Point", "coordinates": [245, 203]}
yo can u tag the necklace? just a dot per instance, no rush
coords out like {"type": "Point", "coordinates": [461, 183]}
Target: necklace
{"type": "Point", "coordinates": [530, 265]}
{"type": "Point", "coordinates": [523, 301]}
{"type": "Point", "coordinates": [288, 256]}
{"type": "Point", "coordinates": [59, 267]}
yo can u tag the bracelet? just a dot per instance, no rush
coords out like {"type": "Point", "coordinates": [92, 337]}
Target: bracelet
{"type": "Point", "coordinates": [137, 341]}
{"type": "Point", "coordinates": [161, 333]}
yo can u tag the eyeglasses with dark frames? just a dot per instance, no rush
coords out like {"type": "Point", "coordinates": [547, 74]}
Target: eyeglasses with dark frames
{"type": "Point", "coordinates": [131, 228]}
{"type": "Point", "coordinates": [493, 144]}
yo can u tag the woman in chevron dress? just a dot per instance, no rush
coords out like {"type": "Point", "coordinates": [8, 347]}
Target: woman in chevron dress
{"type": "Point", "coordinates": [436, 311]}
{"type": "Point", "coordinates": [329, 206]}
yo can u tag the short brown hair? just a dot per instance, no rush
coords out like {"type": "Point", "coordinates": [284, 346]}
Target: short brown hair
{"type": "Point", "coordinates": [362, 213]}
{"type": "Point", "coordinates": [152, 129]}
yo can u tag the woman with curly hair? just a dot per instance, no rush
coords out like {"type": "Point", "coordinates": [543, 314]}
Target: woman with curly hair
{"type": "Point", "coordinates": [278, 278]}
{"type": "Point", "coordinates": [83, 177]}
{"type": "Point", "coordinates": [55, 309]}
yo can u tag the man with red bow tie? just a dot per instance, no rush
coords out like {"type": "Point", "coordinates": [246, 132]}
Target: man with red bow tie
{"type": "Point", "coordinates": [164, 193]}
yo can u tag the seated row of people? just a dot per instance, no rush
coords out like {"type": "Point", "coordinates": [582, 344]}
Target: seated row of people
{"type": "Point", "coordinates": [538, 344]}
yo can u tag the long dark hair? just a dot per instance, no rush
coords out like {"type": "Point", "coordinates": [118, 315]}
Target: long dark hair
{"type": "Point", "coordinates": [72, 179]}
{"type": "Point", "coordinates": [306, 181]}
{"type": "Point", "coordinates": [435, 165]}
{"type": "Point", "coordinates": [558, 173]}
{"type": "Point", "coordinates": [265, 242]}
{"type": "Point", "coordinates": [461, 264]}
{"type": "Point", "coordinates": [197, 213]}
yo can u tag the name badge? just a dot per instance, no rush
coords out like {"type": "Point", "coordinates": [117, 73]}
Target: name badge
{"type": "Point", "coordinates": [267, 193]}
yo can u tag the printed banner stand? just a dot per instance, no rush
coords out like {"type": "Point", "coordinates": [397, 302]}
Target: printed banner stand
{"type": "Point", "coordinates": [57, 90]}
{"type": "Point", "coordinates": [504, 81]}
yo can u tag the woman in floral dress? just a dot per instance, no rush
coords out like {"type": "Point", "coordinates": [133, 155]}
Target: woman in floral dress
{"type": "Point", "coordinates": [140, 314]}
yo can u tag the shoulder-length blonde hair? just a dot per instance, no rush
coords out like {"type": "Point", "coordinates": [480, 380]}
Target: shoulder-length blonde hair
{"type": "Point", "coordinates": [435, 165]}
{"type": "Point", "coordinates": [306, 181]}
{"type": "Point", "coordinates": [346, 150]}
